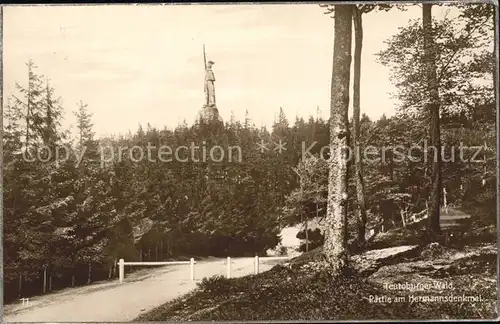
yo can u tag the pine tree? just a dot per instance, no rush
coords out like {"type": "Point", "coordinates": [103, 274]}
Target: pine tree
{"type": "Point", "coordinates": [32, 105]}
{"type": "Point", "coordinates": [85, 134]}
{"type": "Point", "coordinates": [247, 122]}
{"type": "Point", "coordinates": [52, 116]}
{"type": "Point", "coordinates": [12, 131]}
{"type": "Point", "coordinates": [95, 210]}
{"type": "Point", "coordinates": [281, 125]}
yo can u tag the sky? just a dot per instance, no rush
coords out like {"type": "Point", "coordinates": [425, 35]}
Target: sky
{"type": "Point", "coordinates": [138, 64]}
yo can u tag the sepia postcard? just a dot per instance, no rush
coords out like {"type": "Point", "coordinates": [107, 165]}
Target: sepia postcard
{"type": "Point", "coordinates": [249, 162]}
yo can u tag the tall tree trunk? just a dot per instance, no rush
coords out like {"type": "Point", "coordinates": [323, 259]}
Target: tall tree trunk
{"type": "Point", "coordinates": [1, 156]}
{"type": "Point", "coordinates": [433, 109]}
{"type": "Point", "coordinates": [89, 278]}
{"type": "Point", "coordinates": [495, 58]}
{"type": "Point", "coordinates": [390, 164]}
{"type": "Point", "coordinates": [307, 236]}
{"type": "Point", "coordinates": [445, 201]}
{"type": "Point", "coordinates": [113, 272]}
{"type": "Point", "coordinates": [44, 279]}
{"type": "Point", "coordinates": [358, 164]}
{"type": "Point", "coordinates": [335, 246]}
{"type": "Point", "coordinates": [110, 269]}
{"type": "Point", "coordinates": [20, 285]}
{"type": "Point", "coordinates": [495, 75]}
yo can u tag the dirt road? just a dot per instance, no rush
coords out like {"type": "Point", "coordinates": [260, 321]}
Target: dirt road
{"type": "Point", "coordinates": [112, 301]}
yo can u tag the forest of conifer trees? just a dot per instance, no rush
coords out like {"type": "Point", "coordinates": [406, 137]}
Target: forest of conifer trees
{"type": "Point", "coordinates": [72, 220]}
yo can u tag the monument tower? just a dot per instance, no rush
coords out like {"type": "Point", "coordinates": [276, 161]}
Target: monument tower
{"type": "Point", "coordinates": [209, 113]}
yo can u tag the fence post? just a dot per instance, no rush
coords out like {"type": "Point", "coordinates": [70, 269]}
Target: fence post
{"type": "Point", "coordinates": [256, 265]}
{"type": "Point", "coordinates": [191, 264]}
{"type": "Point", "coordinates": [121, 269]}
{"type": "Point", "coordinates": [229, 267]}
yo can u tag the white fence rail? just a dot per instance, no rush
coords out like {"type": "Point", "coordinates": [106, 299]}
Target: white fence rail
{"type": "Point", "coordinates": [257, 261]}
{"type": "Point", "coordinates": [122, 264]}
{"type": "Point", "coordinates": [191, 262]}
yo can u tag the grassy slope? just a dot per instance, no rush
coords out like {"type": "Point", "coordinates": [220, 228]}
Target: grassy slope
{"type": "Point", "coordinates": [303, 290]}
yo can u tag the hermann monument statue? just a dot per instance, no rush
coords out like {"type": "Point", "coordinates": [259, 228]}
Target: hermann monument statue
{"type": "Point", "coordinates": [209, 112]}
{"type": "Point", "coordinates": [209, 85]}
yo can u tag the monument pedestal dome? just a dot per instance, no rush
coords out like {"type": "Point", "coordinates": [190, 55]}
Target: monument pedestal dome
{"type": "Point", "coordinates": [209, 114]}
